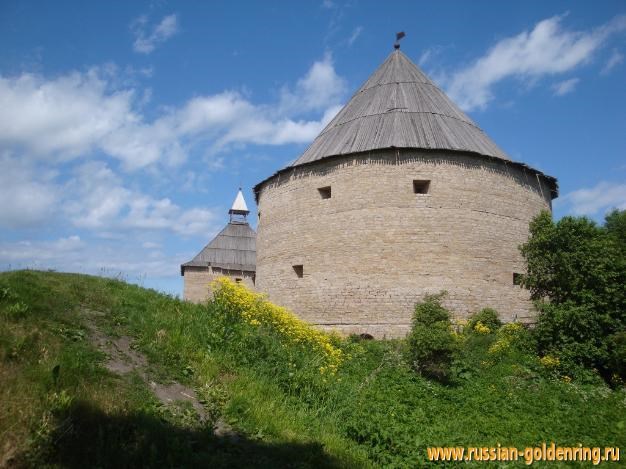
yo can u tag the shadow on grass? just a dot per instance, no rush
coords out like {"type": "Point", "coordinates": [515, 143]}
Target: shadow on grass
{"type": "Point", "coordinates": [87, 437]}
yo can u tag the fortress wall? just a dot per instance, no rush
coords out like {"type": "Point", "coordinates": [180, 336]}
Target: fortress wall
{"type": "Point", "coordinates": [375, 247]}
{"type": "Point", "coordinates": [198, 279]}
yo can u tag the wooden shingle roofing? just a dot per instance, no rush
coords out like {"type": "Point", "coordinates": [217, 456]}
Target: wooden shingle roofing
{"type": "Point", "coordinates": [400, 107]}
{"type": "Point", "coordinates": [234, 248]}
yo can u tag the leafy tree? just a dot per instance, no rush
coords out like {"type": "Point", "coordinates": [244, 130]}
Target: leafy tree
{"type": "Point", "coordinates": [577, 273]}
{"type": "Point", "coordinates": [575, 261]}
{"type": "Point", "coordinates": [616, 227]}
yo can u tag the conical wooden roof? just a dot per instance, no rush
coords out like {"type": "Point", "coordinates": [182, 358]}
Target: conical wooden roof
{"type": "Point", "coordinates": [399, 107]}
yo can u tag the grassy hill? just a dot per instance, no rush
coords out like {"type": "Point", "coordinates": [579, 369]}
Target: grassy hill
{"type": "Point", "coordinates": [95, 372]}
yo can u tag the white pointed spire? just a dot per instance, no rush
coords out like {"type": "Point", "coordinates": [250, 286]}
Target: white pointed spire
{"type": "Point", "coordinates": [239, 205]}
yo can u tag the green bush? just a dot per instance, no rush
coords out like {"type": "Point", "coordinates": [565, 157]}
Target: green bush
{"type": "Point", "coordinates": [575, 334]}
{"type": "Point", "coordinates": [487, 317]}
{"type": "Point", "coordinates": [431, 341]}
{"type": "Point", "coordinates": [577, 273]}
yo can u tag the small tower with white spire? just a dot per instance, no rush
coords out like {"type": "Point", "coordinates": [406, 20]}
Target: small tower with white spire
{"type": "Point", "coordinates": [239, 211]}
{"type": "Point", "coordinates": [232, 253]}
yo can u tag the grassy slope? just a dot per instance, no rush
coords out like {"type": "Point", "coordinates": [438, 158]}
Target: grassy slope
{"type": "Point", "coordinates": [374, 412]}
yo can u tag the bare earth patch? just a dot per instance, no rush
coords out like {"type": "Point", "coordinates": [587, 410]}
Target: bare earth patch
{"type": "Point", "coordinates": [123, 359]}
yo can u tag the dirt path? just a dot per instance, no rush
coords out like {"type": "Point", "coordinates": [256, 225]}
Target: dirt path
{"type": "Point", "coordinates": [122, 358]}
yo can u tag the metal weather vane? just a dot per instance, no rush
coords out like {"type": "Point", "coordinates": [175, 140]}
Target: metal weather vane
{"type": "Point", "coordinates": [399, 36]}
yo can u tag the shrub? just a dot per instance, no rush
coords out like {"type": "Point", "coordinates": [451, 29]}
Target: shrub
{"type": "Point", "coordinates": [431, 341]}
{"type": "Point", "coordinates": [485, 321]}
{"type": "Point", "coordinates": [575, 334]}
{"type": "Point", "coordinates": [511, 337]}
{"type": "Point", "coordinates": [580, 268]}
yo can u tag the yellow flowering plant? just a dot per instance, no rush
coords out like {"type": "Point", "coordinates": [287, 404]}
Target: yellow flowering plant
{"type": "Point", "coordinates": [508, 335]}
{"type": "Point", "coordinates": [481, 328]}
{"type": "Point", "coordinates": [256, 310]}
{"type": "Point", "coordinates": [550, 361]}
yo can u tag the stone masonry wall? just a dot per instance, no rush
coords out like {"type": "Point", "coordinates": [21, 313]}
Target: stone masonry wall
{"type": "Point", "coordinates": [373, 249]}
{"type": "Point", "coordinates": [198, 279]}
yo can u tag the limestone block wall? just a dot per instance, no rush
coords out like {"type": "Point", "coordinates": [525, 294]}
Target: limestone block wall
{"type": "Point", "coordinates": [375, 247]}
{"type": "Point", "coordinates": [197, 281]}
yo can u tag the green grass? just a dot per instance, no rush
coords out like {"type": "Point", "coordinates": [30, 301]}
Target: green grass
{"type": "Point", "coordinates": [375, 412]}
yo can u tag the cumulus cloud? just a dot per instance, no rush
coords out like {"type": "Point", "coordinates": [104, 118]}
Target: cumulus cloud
{"type": "Point", "coordinates": [67, 115]}
{"type": "Point", "coordinates": [564, 87]}
{"type": "Point", "coordinates": [27, 196]}
{"type": "Point", "coordinates": [548, 49]}
{"type": "Point", "coordinates": [319, 89]}
{"type": "Point", "coordinates": [80, 113]}
{"type": "Point", "coordinates": [146, 42]}
{"type": "Point", "coordinates": [101, 203]}
{"type": "Point", "coordinates": [93, 198]}
{"type": "Point", "coordinates": [601, 198]}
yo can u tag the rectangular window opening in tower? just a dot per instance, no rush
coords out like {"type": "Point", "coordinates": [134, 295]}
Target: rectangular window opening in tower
{"type": "Point", "coordinates": [299, 270]}
{"type": "Point", "coordinates": [325, 192]}
{"type": "Point", "coordinates": [421, 186]}
{"type": "Point", "coordinates": [517, 278]}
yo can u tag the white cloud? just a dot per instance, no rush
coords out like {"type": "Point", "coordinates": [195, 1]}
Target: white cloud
{"type": "Point", "coordinates": [101, 203]}
{"type": "Point", "coordinates": [548, 49]}
{"type": "Point", "coordinates": [28, 196]}
{"type": "Point", "coordinates": [615, 59]}
{"type": "Point", "coordinates": [65, 116]}
{"type": "Point", "coordinates": [598, 199]}
{"type": "Point", "coordinates": [146, 43]}
{"type": "Point", "coordinates": [73, 254]}
{"type": "Point", "coordinates": [425, 57]}
{"type": "Point", "coordinates": [356, 32]}
{"type": "Point", "coordinates": [150, 245]}
{"type": "Point", "coordinates": [42, 250]}
{"type": "Point", "coordinates": [319, 89]}
{"type": "Point", "coordinates": [564, 87]}
{"type": "Point", "coordinates": [81, 113]}
{"type": "Point", "coordinates": [94, 198]}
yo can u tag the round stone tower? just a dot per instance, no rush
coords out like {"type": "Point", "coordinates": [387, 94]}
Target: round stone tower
{"type": "Point", "coordinates": [401, 195]}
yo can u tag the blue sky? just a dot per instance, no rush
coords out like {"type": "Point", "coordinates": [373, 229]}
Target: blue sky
{"type": "Point", "coordinates": [127, 127]}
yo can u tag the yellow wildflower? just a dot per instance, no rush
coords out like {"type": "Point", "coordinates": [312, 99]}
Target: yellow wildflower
{"type": "Point", "coordinates": [550, 361]}
{"type": "Point", "coordinates": [481, 328]}
{"type": "Point", "coordinates": [255, 309]}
